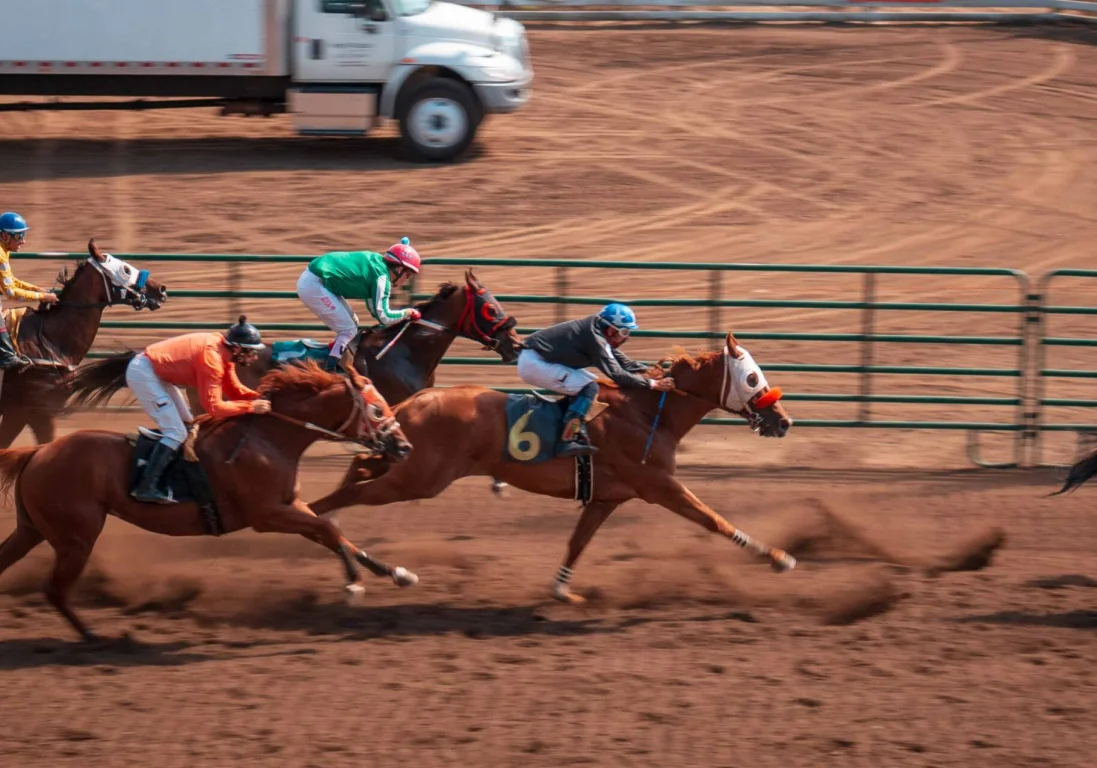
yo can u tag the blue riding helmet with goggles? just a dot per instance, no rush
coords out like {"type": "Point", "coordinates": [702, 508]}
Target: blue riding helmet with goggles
{"type": "Point", "coordinates": [620, 317]}
{"type": "Point", "coordinates": [13, 224]}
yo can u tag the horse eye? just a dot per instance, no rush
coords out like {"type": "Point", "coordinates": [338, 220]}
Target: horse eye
{"type": "Point", "coordinates": [376, 413]}
{"type": "Point", "coordinates": [752, 380]}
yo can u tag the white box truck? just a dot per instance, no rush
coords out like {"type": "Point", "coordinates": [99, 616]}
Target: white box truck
{"type": "Point", "coordinates": [337, 66]}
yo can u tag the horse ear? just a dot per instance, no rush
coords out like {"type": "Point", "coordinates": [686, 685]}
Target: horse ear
{"type": "Point", "coordinates": [470, 278]}
{"type": "Point", "coordinates": [94, 252]}
{"type": "Point", "coordinates": [733, 346]}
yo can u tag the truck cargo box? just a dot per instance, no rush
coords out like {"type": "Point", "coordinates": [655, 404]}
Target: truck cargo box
{"type": "Point", "coordinates": [146, 37]}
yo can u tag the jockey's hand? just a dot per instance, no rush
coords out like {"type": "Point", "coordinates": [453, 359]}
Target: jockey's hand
{"type": "Point", "coordinates": [50, 298]}
{"type": "Point", "coordinates": [260, 406]}
{"type": "Point", "coordinates": [663, 385]}
{"type": "Point", "coordinates": [413, 315]}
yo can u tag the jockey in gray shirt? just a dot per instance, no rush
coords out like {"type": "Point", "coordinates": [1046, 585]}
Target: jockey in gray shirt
{"type": "Point", "coordinates": [555, 358]}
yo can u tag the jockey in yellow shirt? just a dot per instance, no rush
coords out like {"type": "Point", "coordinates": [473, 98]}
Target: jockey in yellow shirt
{"type": "Point", "coordinates": [13, 233]}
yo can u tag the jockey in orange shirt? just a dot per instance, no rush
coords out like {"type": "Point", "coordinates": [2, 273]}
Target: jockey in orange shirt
{"type": "Point", "coordinates": [204, 361]}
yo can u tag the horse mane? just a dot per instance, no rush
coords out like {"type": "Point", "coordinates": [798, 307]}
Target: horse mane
{"type": "Point", "coordinates": [445, 290]}
{"type": "Point", "coordinates": [65, 279]}
{"type": "Point", "coordinates": [306, 378]}
{"type": "Point", "coordinates": [680, 357]}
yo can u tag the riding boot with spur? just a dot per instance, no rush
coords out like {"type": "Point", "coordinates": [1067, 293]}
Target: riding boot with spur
{"type": "Point", "coordinates": [574, 441]}
{"type": "Point", "coordinates": [148, 488]}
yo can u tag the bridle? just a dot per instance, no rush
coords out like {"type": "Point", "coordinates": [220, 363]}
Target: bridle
{"type": "Point", "coordinates": [118, 290]}
{"type": "Point", "coordinates": [469, 327]}
{"type": "Point", "coordinates": [370, 432]}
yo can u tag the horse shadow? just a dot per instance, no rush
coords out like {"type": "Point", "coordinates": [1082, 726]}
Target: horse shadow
{"type": "Point", "coordinates": [1080, 619]}
{"type": "Point", "coordinates": [306, 614]}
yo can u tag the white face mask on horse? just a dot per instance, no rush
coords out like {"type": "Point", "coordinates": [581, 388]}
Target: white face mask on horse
{"type": "Point", "coordinates": [745, 389]}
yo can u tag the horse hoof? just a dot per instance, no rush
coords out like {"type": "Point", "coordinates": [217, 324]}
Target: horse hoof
{"type": "Point", "coordinates": [499, 488]}
{"type": "Point", "coordinates": [402, 577]}
{"type": "Point", "coordinates": [783, 562]}
{"type": "Point", "coordinates": [565, 595]}
{"type": "Point", "coordinates": [355, 593]}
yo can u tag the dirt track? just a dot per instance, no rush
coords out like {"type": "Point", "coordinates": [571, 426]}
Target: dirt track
{"type": "Point", "coordinates": [905, 145]}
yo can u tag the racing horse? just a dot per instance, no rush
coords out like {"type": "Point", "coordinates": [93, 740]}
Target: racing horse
{"type": "Point", "coordinates": [65, 489]}
{"type": "Point", "coordinates": [466, 431]}
{"type": "Point", "coordinates": [402, 359]}
{"type": "Point", "coordinates": [56, 338]}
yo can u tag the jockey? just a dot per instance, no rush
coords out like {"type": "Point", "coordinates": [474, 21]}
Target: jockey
{"type": "Point", "coordinates": [331, 279]}
{"type": "Point", "coordinates": [554, 358]}
{"type": "Point", "coordinates": [13, 233]}
{"type": "Point", "coordinates": [200, 360]}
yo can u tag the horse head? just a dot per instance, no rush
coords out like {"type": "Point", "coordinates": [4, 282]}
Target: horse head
{"type": "Point", "coordinates": [118, 283]}
{"type": "Point", "coordinates": [733, 382]}
{"type": "Point", "coordinates": [473, 312]}
{"type": "Point", "coordinates": [347, 406]}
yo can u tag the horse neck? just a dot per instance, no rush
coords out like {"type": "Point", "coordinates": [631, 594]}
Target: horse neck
{"type": "Point", "coordinates": [683, 413]}
{"type": "Point", "coordinates": [427, 348]}
{"type": "Point", "coordinates": [69, 328]}
{"type": "Point", "coordinates": [292, 439]}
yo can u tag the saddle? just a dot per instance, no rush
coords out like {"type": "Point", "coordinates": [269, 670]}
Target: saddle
{"type": "Point", "coordinates": [183, 481]}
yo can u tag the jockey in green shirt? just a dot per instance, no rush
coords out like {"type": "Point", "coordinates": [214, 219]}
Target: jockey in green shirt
{"type": "Point", "coordinates": [331, 279]}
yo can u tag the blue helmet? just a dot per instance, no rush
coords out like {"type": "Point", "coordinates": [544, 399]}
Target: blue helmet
{"type": "Point", "coordinates": [619, 316]}
{"type": "Point", "coordinates": [13, 223]}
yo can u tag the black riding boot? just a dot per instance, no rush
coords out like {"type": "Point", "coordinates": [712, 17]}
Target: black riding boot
{"type": "Point", "coordinates": [147, 489]}
{"type": "Point", "coordinates": [9, 358]}
{"type": "Point", "coordinates": [332, 365]}
{"type": "Point", "coordinates": [575, 441]}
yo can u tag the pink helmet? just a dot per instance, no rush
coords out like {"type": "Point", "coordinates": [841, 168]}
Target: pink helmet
{"type": "Point", "coordinates": [403, 254]}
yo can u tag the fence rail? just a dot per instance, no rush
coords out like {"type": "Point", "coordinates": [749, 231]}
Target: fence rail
{"type": "Point", "coordinates": [1021, 305]}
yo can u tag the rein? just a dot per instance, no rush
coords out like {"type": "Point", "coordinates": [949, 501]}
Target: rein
{"type": "Point", "coordinates": [338, 434]}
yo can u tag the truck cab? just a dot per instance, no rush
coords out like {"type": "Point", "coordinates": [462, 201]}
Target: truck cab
{"type": "Point", "coordinates": [435, 67]}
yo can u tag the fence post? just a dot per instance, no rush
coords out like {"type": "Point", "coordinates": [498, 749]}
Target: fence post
{"type": "Point", "coordinates": [235, 283]}
{"type": "Point", "coordinates": [561, 294]}
{"type": "Point", "coordinates": [868, 330]}
{"type": "Point", "coordinates": [1031, 389]}
{"type": "Point", "coordinates": [715, 294]}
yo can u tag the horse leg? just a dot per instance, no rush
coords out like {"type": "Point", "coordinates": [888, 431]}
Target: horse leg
{"type": "Point", "coordinates": [594, 514]}
{"type": "Point", "coordinates": [10, 427]}
{"type": "Point", "coordinates": [72, 548]}
{"type": "Point", "coordinates": [296, 517]}
{"type": "Point", "coordinates": [665, 490]}
{"type": "Point", "coordinates": [22, 540]}
{"type": "Point", "coordinates": [43, 426]}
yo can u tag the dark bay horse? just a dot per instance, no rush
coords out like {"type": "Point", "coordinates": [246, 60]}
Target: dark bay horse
{"type": "Point", "coordinates": [461, 432]}
{"type": "Point", "coordinates": [58, 337]}
{"type": "Point", "coordinates": [65, 489]}
{"type": "Point", "coordinates": [414, 352]}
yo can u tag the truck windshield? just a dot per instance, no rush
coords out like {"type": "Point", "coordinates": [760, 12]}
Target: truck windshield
{"type": "Point", "coordinates": [411, 7]}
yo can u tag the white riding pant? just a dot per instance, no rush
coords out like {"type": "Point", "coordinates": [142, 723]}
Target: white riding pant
{"type": "Point", "coordinates": [536, 370]}
{"type": "Point", "coordinates": [332, 310]}
{"type": "Point", "coordinates": [165, 403]}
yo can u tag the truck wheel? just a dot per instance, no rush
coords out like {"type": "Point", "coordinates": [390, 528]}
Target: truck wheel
{"type": "Point", "coordinates": [438, 120]}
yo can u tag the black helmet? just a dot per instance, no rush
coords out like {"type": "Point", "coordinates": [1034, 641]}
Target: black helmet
{"type": "Point", "coordinates": [244, 334]}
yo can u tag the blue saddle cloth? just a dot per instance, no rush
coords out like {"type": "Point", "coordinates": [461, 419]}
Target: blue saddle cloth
{"type": "Point", "coordinates": [283, 352]}
{"type": "Point", "coordinates": [533, 428]}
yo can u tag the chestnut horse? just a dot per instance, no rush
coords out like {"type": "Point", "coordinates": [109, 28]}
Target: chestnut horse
{"type": "Point", "coordinates": [461, 432]}
{"type": "Point", "coordinates": [411, 354]}
{"type": "Point", "coordinates": [56, 338]}
{"type": "Point", "coordinates": [65, 489]}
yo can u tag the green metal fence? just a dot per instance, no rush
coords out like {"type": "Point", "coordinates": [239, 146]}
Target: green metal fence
{"type": "Point", "coordinates": [1019, 312]}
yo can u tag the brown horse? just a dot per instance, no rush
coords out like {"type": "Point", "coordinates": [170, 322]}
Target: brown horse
{"type": "Point", "coordinates": [65, 489]}
{"type": "Point", "coordinates": [411, 354]}
{"type": "Point", "coordinates": [462, 431]}
{"type": "Point", "coordinates": [56, 338]}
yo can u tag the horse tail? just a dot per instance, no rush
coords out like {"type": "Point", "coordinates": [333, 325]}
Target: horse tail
{"type": "Point", "coordinates": [94, 384]}
{"type": "Point", "coordinates": [12, 463]}
{"type": "Point", "coordinates": [1082, 470]}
